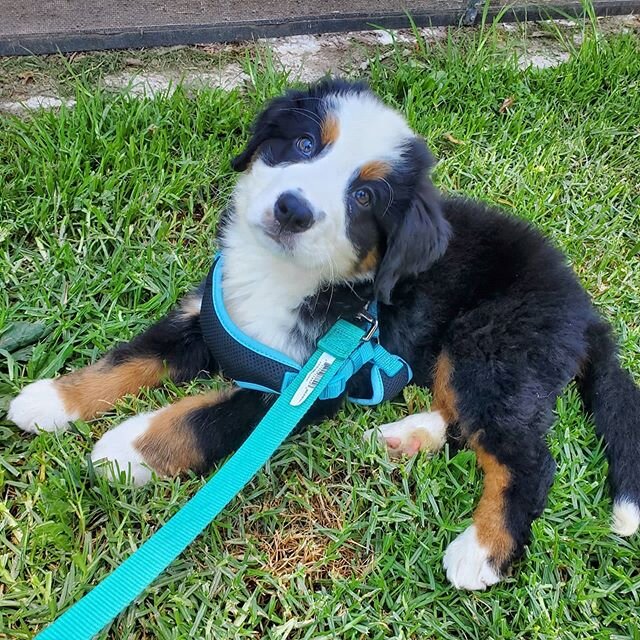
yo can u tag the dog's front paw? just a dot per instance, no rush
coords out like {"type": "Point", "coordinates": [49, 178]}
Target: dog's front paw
{"type": "Point", "coordinates": [418, 432]}
{"type": "Point", "coordinates": [115, 454]}
{"type": "Point", "coordinates": [40, 407]}
{"type": "Point", "coordinates": [467, 563]}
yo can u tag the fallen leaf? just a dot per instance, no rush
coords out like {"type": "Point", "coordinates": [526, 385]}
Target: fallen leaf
{"type": "Point", "coordinates": [21, 334]}
{"type": "Point", "coordinates": [212, 48]}
{"type": "Point", "coordinates": [26, 77]}
{"type": "Point", "coordinates": [134, 62]}
{"type": "Point", "coordinates": [449, 138]}
{"type": "Point", "coordinates": [507, 102]}
{"type": "Point", "coordinates": [23, 354]}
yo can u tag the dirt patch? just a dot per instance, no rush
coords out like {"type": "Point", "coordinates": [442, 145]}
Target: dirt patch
{"type": "Point", "coordinates": [34, 103]}
{"type": "Point", "coordinates": [146, 84]}
{"type": "Point", "coordinates": [542, 60]}
{"type": "Point", "coordinates": [308, 58]}
{"type": "Point", "coordinates": [304, 539]}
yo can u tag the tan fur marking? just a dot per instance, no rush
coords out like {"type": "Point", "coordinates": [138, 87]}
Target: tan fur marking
{"type": "Point", "coordinates": [330, 129]}
{"type": "Point", "coordinates": [169, 445]}
{"type": "Point", "coordinates": [444, 397]}
{"type": "Point", "coordinates": [94, 390]}
{"type": "Point", "coordinates": [489, 516]}
{"type": "Point", "coordinates": [374, 170]}
{"type": "Point", "coordinates": [369, 262]}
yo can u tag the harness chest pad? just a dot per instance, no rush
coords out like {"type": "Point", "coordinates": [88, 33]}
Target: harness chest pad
{"type": "Point", "coordinates": [254, 365]}
{"type": "Point", "coordinates": [249, 368]}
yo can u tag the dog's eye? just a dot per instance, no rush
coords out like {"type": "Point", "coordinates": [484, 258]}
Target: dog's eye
{"type": "Point", "coordinates": [363, 197]}
{"type": "Point", "coordinates": [305, 145]}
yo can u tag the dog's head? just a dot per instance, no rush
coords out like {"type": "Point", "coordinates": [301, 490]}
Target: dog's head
{"type": "Point", "coordinates": [337, 182]}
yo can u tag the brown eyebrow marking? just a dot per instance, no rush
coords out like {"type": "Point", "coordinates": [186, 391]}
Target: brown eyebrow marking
{"type": "Point", "coordinates": [330, 129]}
{"type": "Point", "coordinates": [374, 170]}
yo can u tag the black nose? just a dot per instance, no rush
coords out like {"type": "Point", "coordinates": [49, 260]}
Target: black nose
{"type": "Point", "coordinates": [293, 212]}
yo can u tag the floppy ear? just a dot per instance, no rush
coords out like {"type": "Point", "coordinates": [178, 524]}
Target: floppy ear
{"type": "Point", "coordinates": [262, 129]}
{"type": "Point", "coordinates": [259, 133]}
{"type": "Point", "coordinates": [418, 238]}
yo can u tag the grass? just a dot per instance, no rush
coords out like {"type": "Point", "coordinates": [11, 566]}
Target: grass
{"type": "Point", "coordinates": [107, 214]}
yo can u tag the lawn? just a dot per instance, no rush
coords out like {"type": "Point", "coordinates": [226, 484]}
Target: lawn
{"type": "Point", "coordinates": [107, 215]}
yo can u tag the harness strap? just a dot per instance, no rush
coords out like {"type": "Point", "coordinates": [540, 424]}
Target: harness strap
{"type": "Point", "coordinates": [98, 607]}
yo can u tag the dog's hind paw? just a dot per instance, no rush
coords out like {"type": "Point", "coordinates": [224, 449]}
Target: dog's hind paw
{"type": "Point", "coordinates": [418, 432]}
{"type": "Point", "coordinates": [467, 563]}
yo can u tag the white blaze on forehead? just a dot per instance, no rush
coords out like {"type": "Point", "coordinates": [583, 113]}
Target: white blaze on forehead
{"type": "Point", "coordinates": [368, 131]}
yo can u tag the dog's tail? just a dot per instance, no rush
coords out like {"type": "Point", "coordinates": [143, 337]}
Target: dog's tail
{"type": "Point", "coordinates": [608, 391]}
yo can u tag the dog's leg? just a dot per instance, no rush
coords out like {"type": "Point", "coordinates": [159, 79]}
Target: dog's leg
{"type": "Point", "coordinates": [173, 348]}
{"type": "Point", "coordinates": [418, 432]}
{"type": "Point", "coordinates": [190, 435]}
{"type": "Point", "coordinates": [514, 494]}
{"type": "Point", "coordinates": [503, 412]}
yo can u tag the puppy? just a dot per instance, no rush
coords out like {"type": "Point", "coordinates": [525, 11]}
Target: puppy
{"type": "Point", "coordinates": [335, 209]}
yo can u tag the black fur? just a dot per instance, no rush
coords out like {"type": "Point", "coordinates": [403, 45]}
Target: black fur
{"type": "Point", "coordinates": [609, 392]}
{"type": "Point", "coordinates": [286, 118]}
{"type": "Point", "coordinates": [415, 239]}
{"type": "Point", "coordinates": [220, 429]}
{"type": "Point", "coordinates": [176, 340]}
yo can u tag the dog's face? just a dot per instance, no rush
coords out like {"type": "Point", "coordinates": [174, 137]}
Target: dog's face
{"type": "Point", "coordinates": [336, 181]}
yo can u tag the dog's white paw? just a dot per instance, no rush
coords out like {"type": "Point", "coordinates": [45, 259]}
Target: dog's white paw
{"type": "Point", "coordinates": [115, 453]}
{"type": "Point", "coordinates": [467, 563]}
{"type": "Point", "coordinates": [39, 407]}
{"type": "Point", "coordinates": [626, 517]}
{"type": "Point", "coordinates": [421, 431]}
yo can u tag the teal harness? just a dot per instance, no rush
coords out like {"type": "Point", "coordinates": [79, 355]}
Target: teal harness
{"type": "Point", "coordinates": [340, 353]}
{"type": "Point", "coordinates": [254, 365]}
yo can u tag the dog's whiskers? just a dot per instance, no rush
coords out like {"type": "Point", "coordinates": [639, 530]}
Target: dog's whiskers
{"type": "Point", "coordinates": [306, 112]}
{"type": "Point", "coordinates": [391, 195]}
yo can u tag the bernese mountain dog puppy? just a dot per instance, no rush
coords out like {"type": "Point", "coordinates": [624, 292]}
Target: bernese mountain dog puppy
{"type": "Point", "coordinates": [335, 209]}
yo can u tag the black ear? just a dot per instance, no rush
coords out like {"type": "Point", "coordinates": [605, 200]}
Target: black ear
{"type": "Point", "coordinates": [265, 126]}
{"type": "Point", "coordinates": [262, 129]}
{"type": "Point", "coordinates": [259, 133]}
{"type": "Point", "coordinates": [416, 239]}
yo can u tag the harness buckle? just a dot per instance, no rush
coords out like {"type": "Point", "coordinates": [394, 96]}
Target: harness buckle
{"type": "Point", "coordinates": [373, 324]}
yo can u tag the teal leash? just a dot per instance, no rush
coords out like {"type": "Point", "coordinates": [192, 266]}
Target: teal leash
{"type": "Point", "coordinates": [120, 588]}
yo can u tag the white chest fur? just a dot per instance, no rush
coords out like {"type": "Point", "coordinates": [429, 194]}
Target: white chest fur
{"type": "Point", "coordinates": [262, 293]}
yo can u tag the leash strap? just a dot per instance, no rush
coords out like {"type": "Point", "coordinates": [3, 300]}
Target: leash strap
{"type": "Point", "coordinates": [111, 596]}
